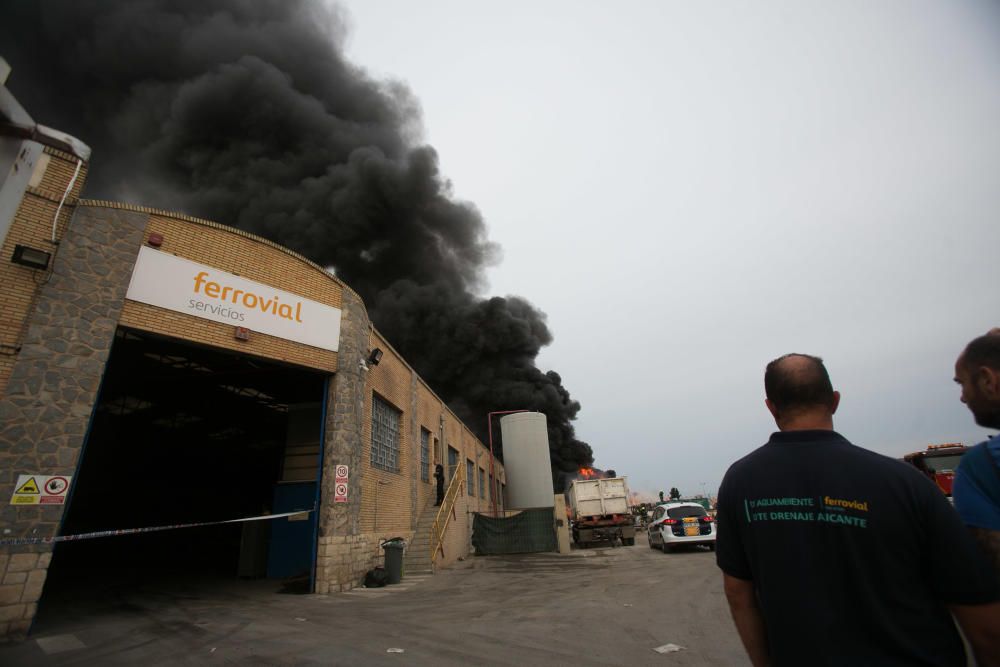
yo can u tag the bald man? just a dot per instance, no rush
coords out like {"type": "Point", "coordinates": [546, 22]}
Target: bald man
{"type": "Point", "coordinates": [977, 480]}
{"type": "Point", "coordinates": [835, 555]}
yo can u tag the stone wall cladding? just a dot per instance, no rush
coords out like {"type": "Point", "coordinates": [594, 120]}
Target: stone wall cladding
{"type": "Point", "coordinates": [53, 385]}
{"type": "Point", "coordinates": [339, 523]}
{"type": "Point", "coordinates": [344, 560]}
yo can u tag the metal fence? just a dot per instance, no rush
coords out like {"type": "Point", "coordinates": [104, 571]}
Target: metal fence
{"type": "Point", "coordinates": [514, 531]}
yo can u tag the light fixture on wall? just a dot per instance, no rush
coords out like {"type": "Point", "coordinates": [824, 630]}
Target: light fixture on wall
{"type": "Point", "coordinates": [30, 257]}
{"type": "Point", "coordinates": [375, 357]}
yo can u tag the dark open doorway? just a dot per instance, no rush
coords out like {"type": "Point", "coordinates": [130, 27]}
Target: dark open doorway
{"type": "Point", "coordinates": [190, 434]}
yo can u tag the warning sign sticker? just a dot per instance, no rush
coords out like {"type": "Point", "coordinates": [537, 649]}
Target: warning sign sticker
{"type": "Point", "coordinates": [341, 473]}
{"type": "Point", "coordinates": [340, 493]}
{"type": "Point", "coordinates": [40, 490]}
{"type": "Point", "coordinates": [29, 487]}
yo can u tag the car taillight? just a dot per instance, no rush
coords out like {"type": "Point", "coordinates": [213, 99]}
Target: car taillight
{"type": "Point", "coordinates": [706, 519]}
{"type": "Point", "coordinates": [670, 522]}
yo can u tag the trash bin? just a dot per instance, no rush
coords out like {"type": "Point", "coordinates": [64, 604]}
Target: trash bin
{"type": "Point", "coordinates": [394, 559]}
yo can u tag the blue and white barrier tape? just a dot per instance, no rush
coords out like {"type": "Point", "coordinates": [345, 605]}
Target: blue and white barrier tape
{"type": "Point", "coordinates": [12, 541]}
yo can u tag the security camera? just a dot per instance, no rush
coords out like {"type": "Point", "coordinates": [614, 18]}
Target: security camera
{"type": "Point", "coordinates": [362, 365]}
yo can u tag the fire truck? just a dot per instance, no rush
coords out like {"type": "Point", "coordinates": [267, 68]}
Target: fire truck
{"type": "Point", "coordinates": [939, 463]}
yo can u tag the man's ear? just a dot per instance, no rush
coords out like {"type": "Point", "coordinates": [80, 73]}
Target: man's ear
{"type": "Point", "coordinates": [836, 403]}
{"type": "Point", "coordinates": [772, 408]}
{"type": "Point", "coordinates": [988, 382]}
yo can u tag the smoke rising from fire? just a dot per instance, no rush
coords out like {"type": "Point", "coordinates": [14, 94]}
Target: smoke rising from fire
{"type": "Point", "coordinates": [248, 113]}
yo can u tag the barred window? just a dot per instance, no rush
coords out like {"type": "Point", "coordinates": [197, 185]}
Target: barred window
{"type": "Point", "coordinates": [482, 483]}
{"type": "Point", "coordinates": [452, 463]}
{"type": "Point", "coordinates": [425, 455]}
{"type": "Point", "coordinates": [470, 482]}
{"type": "Point", "coordinates": [385, 435]}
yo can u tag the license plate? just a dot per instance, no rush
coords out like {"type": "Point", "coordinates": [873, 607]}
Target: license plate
{"type": "Point", "coordinates": [690, 530]}
{"type": "Point", "coordinates": [691, 519]}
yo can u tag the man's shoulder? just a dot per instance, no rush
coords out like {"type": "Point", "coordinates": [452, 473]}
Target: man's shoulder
{"type": "Point", "coordinates": [747, 461]}
{"type": "Point", "coordinates": [978, 456]}
{"type": "Point", "coordinates": [846, 453]}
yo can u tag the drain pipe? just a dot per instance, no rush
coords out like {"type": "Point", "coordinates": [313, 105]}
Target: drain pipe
{"type": "Point", "coordinates": [69, 188]}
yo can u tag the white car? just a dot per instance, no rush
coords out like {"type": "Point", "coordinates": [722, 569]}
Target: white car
{"type": "Point", "coordinates": [680, 523]}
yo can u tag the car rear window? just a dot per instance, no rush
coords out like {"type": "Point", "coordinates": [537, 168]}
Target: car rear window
{"type": "Point", "coordinates": [683, 512]}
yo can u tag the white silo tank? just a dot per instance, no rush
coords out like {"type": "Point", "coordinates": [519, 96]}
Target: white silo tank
{"type": "Point", "coordinates": [526, 460]}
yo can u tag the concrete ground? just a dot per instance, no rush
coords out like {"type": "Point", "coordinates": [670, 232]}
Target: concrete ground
{"type": "Point", "coordinates": [605, 606]}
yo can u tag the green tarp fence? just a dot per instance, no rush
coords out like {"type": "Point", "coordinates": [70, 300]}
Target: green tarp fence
{"type": "Point", "coordinates": [527, 531]}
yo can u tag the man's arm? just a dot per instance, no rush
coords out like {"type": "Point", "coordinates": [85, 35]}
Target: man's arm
{"type": "Point", "coordinates": [989, 542]}
{"type": "Point", "coordinates": [749, 621]}
{"type": "Point", "coordinates": [981, 625]}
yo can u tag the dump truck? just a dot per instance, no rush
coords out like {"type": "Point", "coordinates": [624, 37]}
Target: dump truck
{"type": "Point", "coordinates": [599, 511]}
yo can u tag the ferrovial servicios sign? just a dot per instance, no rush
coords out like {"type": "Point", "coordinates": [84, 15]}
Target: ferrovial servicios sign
{"type": "Point", "coordinates": [163, 280]}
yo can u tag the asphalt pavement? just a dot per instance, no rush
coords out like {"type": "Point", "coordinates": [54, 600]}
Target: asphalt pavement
{"type": "Point", "coordinates": [598, 606]}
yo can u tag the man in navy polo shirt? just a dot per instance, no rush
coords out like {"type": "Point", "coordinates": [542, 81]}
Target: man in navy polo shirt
{"type": "Point", "coordinates": [977, 481]}
{"type": "Point", "coordinates": [835, 555]}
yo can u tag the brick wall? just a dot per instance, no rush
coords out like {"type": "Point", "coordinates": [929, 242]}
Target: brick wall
{"type": "Point", "coordinates": [32, 226]}
{"type": "Point", "coordinates": [393, 508]}
{"type": "Point", "coordinates": [244, 255]}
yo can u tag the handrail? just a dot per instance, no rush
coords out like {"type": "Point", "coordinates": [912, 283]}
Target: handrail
{"type": "Point", "coordinates": [446, 510]}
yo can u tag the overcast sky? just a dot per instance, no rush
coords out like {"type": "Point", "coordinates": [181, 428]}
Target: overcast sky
{"type": "Point", "coordinates": [692, 189]}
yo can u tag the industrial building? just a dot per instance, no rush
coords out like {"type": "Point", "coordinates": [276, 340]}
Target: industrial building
{"type": "Point", "coordinates": [159, 370]}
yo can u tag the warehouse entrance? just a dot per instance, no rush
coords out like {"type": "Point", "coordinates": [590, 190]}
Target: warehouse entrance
{"type": "Point", "coordinates": [184, 434]}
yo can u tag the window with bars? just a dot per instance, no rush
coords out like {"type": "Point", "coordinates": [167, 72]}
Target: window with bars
{"type": "Point", "coordinates": [452, 464]}
{"type": "Point", "coordinates": [470, 481]}
{"type": "Point", "coordinates": [482, 483]}
{"type": "Point", "coordinates": [425, 455]}
{"type": "Point", "coordinates": [385, 435]}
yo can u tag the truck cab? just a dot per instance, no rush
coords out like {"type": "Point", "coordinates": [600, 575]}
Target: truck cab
{"type": "Point", "coordinates": [939, 463]}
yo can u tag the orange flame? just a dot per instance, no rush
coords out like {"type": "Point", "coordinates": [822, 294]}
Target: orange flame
{"type": "Point", "coordinates": [588, 473]}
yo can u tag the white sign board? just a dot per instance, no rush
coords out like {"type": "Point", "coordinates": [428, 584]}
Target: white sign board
{"type": "Point", "coordinates": [41, 490]}
{"type": "Point", "coordinates": [340, 492]}
{"type": "Point", "coordinates": [340, 484]}
{"type": "Point", "coordinates": [161, 279]}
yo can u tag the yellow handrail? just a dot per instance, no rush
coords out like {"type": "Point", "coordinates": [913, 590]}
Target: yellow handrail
{"type": "Point", "coordinates": [447, 505]}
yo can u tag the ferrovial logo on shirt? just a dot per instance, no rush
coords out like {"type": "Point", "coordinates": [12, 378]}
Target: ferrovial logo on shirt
{"type": "Point", "coordinates": [825, 509]}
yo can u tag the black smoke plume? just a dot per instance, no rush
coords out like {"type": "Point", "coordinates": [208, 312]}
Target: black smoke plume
{"type": "Point", "coordinates": [247, 112]}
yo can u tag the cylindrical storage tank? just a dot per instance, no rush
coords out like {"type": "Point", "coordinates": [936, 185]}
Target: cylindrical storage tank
{"type": "Point", "coordinates": [526, 460]}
